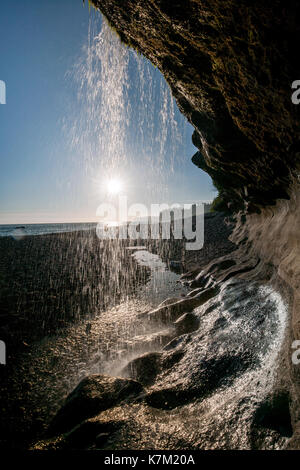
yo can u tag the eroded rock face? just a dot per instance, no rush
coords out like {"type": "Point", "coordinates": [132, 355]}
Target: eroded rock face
{"type": "Point", "coordinates": [210, 387]}
{"type": "Point", "coordinates": [230, 65]}
{"type": "Point", "coordinates": [144, 368]}
{"type": "Point", "coordinates": [94, 394]}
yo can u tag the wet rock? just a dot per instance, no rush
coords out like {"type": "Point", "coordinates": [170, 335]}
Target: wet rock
{"type": "Point", "coordinates": [186, 323]}
{"type": "Point", "coordinates": [86, 435]}
{"type": "Point", "coordinates": [211, 307]}
{"type": "Point", "coordinates": [144, 368]}
{"type": "Point", "coordinates": [190, 275]}
{"type": "Point", "coordinates": [194, 292]}
{"type": "Point", "coordinates": [172, 311]}
{"type": "Point", "coordinates": [222, 265]}
{"type": "Point", "coordinates": [272, 420]}
{"type": "Point", "coordinates": [172, 358]}
{"type": "Point", "coordinates": [242, 268]}
{"type": "Point", "coordinates": [168, 399]}
{"type": "Point", "coordinates": [93, 395]}
{"type": "Point", "coordinates": [169, 301]}
{"type": "Point", "coordinates": [220, 323]}
{"type": "Point", "coordinates": [210, 374]}
{"type": "Point", "coordinates": [181, 341]}
{"type": "Point", "coordinates": [207, 294]}
{"type": "Point", "coordinates": [147, 342]}
{"type": "Point", "coordinates": [82, 435]}
{"type": "Point", "coordinates": [200, 281]}
{"type": "Point", "coordinates": [221, 367]}
{"type": "Point", "coordinates": [102, 438]}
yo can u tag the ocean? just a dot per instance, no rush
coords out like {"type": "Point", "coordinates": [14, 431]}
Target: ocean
{"type": "Point", "coordinates": [13, 230]}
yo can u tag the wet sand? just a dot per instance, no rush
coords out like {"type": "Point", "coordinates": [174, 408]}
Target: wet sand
{"type": "Point", "coordinates": [46, 281]}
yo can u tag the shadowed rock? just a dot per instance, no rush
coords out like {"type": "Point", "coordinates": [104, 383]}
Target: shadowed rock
{"type": "Point", "coordinates": [169, 398]}
{"type": "Point", "coordinates": [213, 271]}
{"type": "Point", "coordinates": [93, 395]}
{"type": "Point", "coordinates": [186, 323]}
{"type": "Point", "coordinates": [194, 292]}
{"type": "Point", "coordinates": [199, 281]}
{"type": "Point", "coordinates": [271, 418]}
{"type": "Point", "coordinates": [172, 358]}
{"type": "Point", "coordinates": [89, 431]}
{"type": "Point", "coordinates": [210, 374]}
{"type": "Point", "coordinates": [169, 301]}
{"type": "Point", "coordinates": [172, 311]}
{"type": "Point", "coordinates": [144, 368]}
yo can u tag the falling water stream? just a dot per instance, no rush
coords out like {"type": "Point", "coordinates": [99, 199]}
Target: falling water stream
{"type": "Point", "coordinates": [128, 123]}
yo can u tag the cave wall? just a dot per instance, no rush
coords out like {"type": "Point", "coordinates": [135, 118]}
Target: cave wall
{"type": "Point", "coordinates": [272, 237]}
{"type": "Point", "coordinates": [230, 65]}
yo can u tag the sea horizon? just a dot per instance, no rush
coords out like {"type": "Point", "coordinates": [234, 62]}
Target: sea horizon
{"type": "Point", "coordinates": [7, 230]}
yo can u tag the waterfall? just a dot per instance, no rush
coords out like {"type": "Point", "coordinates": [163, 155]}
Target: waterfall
{"type": "Point", "coordinates": [128, 122]}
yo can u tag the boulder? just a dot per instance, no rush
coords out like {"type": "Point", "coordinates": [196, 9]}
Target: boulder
{"type": "Point", "coordinates": [94, 394]}
{"type": "Point", "coordinates": [187, 323]}
{"type": "Point", "coordinates": [173, 311]}
{"type": "Point", "coordinates": [144, 368]}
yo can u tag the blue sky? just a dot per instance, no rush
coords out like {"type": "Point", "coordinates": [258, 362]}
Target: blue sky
{"type": "Point", "coordinates": [42, 178]}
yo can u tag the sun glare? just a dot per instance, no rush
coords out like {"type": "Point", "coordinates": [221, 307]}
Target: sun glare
{"type": "Point", "coordinates": [114, 186]}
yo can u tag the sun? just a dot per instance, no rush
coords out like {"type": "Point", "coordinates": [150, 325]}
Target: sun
{"type": "Point", "coordinates": [114, 186]}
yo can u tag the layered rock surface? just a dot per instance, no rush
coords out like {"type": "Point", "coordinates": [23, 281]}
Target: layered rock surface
{"type": "Point", "coordinates": [212, 386]}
